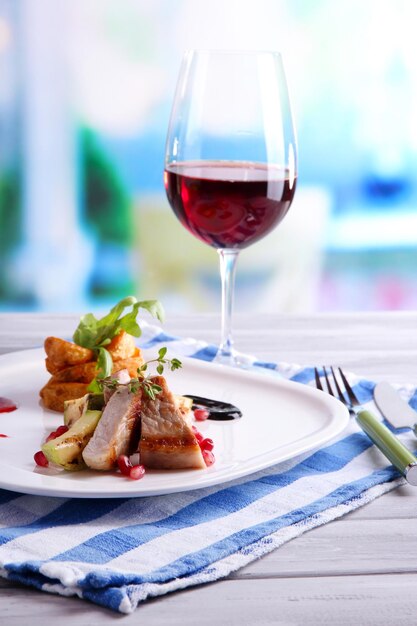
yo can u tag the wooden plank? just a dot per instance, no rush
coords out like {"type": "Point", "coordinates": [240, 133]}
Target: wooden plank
{"type": "Point", "coordinates": [357, 547]}
{"type": "Point", "coordinates": [400, 503]}
{"type": "Point", "coordinates": [343, 600]}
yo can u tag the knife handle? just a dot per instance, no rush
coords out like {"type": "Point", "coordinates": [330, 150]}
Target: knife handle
{"type": "Point", "coordinates": [400, 456]}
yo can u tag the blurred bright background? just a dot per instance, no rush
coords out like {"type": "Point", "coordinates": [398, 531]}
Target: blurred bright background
{"type": "Point", "coordinates": [85, 95]}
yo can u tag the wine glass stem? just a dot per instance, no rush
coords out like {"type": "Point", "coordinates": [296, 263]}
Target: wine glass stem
{"type": "Point", "coordinates": [228, 260]}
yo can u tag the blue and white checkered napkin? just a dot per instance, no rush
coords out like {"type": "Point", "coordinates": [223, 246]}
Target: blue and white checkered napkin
{"type": "Point", "coordinates": [117, 553]}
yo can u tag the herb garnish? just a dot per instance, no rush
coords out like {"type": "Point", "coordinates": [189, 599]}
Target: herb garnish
{"type": "Point", "coordinates": [96, 334]}
{"type": "Point", "coordinates": [145, 382]}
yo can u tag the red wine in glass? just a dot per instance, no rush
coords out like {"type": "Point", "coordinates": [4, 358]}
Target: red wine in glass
{"type": "Point", "coordinates": [228, 204]}
{"type": "Point", "coordinates": [231, 157]}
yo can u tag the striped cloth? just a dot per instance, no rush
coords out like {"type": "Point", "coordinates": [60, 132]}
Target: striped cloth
{"type": "Point", "coordinates": [119, 552]}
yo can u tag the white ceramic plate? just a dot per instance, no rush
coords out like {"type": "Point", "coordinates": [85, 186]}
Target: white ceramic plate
{"type": "Point", "coordinates": [281, 420]}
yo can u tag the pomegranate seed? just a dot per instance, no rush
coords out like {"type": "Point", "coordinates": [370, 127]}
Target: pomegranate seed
{"type": "Point", "coordinates": [201, 414]}
{"type": "Point", "coordinates": [197, 434]}
{"type": "Point", "coordinates": [124, 464]}
{"type": "Point", "coordinates": [61, 430]}
{"type": "Point", "coordinates": [40, 459]}
{"type": "Point", "coordinates": [208, 457]}
{"type": "Point", "coordinates": [207, 444]}
{"type": "Point", "coordinates": [137, 472]}
{"type": "Point", "coordinates": [51, 435]}
{"type": "Point", "coordinates": [57, 433]}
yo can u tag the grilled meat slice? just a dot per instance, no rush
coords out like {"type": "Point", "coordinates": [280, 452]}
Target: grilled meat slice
{"type": "Point", "coordinates": [167, 440]}
{"type": "Point", "coordinates": [122, 377]}
{"type": "Point", "coordinates": [115, 431]}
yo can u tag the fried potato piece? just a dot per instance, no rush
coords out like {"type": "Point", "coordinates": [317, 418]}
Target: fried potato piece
{"type": "Point", "coordinates": [62, 386]}
{"type": "Point", "coordinates": [131, 364]}
{"type": "Point", "coordinates": [50, 366]}
{"type": "Point", "coordinates": [62, 354]}
{"type": "Point", "coordinates": [73, 367]}
{"type": "Point", "coordinates": [85, 372]}
{"type": "Point", "coordinates": [54, 395]}
{"type": "Point", "coordinates": [122, 346]}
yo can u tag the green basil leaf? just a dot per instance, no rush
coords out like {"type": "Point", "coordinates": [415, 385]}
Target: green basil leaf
{"type": "Point", "coordinates": [104, 363]}
{"type": "Point", "coordinates": [109, 326]}
{"type": "Point", "coordinates": [106, 333]}
{"type": "Point", "coordinates": [129, 324]}
{"type": "Point", "coordinates": [162, 352]}
{"type": "Point", "coordinates": [96, 333]}
{"type": "Point", "coordinates": [86, 331]}
{"type": "Point", "coordinates": [116, 311]}
{"type": "Point", "coordinates": [154, 307]}
{"type": "Point", "coordinates": [95, 386]}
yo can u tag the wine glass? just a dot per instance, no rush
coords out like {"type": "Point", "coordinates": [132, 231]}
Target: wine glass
{"type": "Point", "coordinates": [231, 157]}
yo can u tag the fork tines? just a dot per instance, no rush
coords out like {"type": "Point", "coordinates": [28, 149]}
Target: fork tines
{"type": "Point", "coordinates": [333, 386]}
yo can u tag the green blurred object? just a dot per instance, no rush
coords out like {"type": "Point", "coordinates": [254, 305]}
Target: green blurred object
{"type": "Point", "coordinates": [10, 225]}
{"type": "Point", "coordinates": [107, 204]}
{"type": "Point", "coordinates": [107, 211]}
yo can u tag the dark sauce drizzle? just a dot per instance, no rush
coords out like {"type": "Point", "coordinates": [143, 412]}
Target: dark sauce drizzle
{"type": "Point", "coordinates": [219, 411]}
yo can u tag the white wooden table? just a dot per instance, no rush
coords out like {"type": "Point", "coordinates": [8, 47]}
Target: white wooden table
{"type": "Point", "coordinates": [361, 569]}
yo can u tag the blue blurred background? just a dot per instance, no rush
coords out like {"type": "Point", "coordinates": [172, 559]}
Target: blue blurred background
{"type": "Point", "coordinates": [85, 96]}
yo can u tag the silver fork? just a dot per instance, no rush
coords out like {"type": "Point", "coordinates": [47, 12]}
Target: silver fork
{"type": "Point", "coordinates": [399, 455]}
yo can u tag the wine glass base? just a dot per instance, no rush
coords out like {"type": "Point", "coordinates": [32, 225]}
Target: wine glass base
{"type": "Point", "coordinates": [231, 358]}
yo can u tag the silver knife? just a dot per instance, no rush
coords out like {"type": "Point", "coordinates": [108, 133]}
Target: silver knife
{"type": "Point", "coordinates": [395, 410]}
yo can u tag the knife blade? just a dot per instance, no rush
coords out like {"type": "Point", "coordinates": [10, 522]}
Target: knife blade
{"type": "Point", "coordinates": [395, 410]}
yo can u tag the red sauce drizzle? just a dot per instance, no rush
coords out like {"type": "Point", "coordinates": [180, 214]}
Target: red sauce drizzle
{"type": "Point", "coordinates": [1, 435]}
{"type": "Point", "coordinates": [6, 405]}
